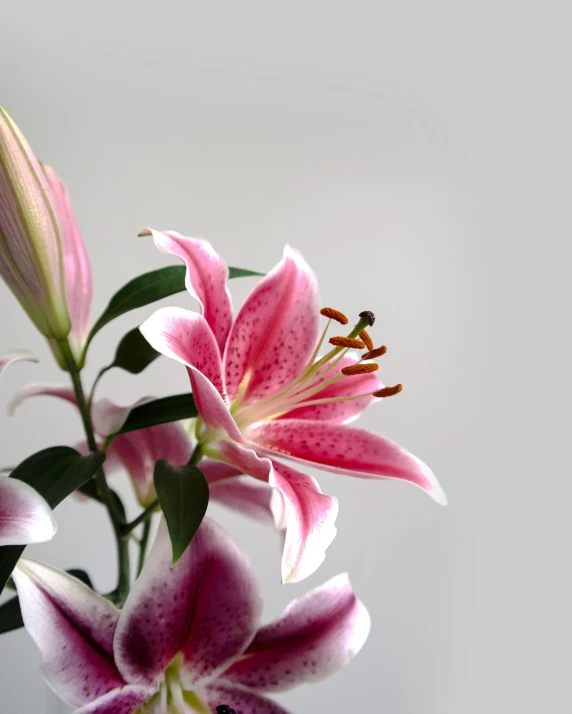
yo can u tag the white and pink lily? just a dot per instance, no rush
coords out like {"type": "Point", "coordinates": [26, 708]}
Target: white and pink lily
{"type": "Point", "coordinates": [263, 393]}
{"type": "Point", "coordinates": [25, 517]}
{"type": "Point", "coordinates": [187, 639]}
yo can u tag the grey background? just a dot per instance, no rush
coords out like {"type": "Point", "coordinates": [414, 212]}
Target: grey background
{"type": "Point", "coordinates": [418, 154]}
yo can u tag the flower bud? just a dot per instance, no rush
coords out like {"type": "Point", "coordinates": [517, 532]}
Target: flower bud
{"type": "Point", "coordinates": [31, 253]}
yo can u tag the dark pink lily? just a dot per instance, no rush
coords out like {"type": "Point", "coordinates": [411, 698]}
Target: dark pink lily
{"type": "Point", "coordinates": [187, 639]}
{"type": "Point", "coordinates": [263, 393]}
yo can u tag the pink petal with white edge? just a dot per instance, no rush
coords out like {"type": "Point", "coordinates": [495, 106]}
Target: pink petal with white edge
{"type": "Point", "coordinates": [25, 517]}
{"type": "Point", "coordinates": [241, 700]}
{"type": "Point", "coordinates": [11, 356]}
{"type": "Point", "coordinates": [245, 459]}
{"type": "Point", "coordinates": [344, 411]}
{"type": "Point", "coordinates": [77, 268]}
{"type": "Point", "coordinates": [345, 449]}
{"type": "Point", "coordinates": [125, 700]}
{"type": "Point", "coordinates": [318, 634]}
{"type": "Point", "coordinates": [206, 278]}
{"type": "Point", "coordinates": [207, 607]}
{"type": "Point", "coordinates": [275, 331]}
{"type": "Point", "coordinates": [40, 389]}
{"type": "Point", "coordinates": [73, 628]}
{"type": "Point", "coordinates": [243, 495]}
{"type": "Point", "coordinates": [309, 518]}
{"type": "Point", "coordinates": [186, 337]}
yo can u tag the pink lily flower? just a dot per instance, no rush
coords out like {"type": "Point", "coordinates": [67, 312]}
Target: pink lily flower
{"type": "Point", "coordinates": [263, 393]}
{"type": "Point", "coordinates": [25, 517]}
{"type": "Point", "coordinates": [188, 637]}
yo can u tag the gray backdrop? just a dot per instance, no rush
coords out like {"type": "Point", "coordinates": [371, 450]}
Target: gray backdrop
{"type": "Point", "coordinates": [418, 154]}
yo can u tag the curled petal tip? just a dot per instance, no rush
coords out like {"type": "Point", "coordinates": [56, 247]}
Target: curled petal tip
{"type": "Point", "coordinates": [143, 232]}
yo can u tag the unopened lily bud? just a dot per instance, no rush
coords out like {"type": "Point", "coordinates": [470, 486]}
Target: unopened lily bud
{"type": "Point", "coordinates": [31, 254]}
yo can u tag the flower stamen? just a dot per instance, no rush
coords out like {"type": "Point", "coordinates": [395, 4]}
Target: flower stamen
{"type": "Point", "coordinates": [350, 342]}
{"type": "Point", "coordinates": [378, 352]}
{"type": "Point", "coordinates": [360, 368]}
{"type": "Point", "coordinates": [364, 337]}
{"type": "Point", "coordinates": [388, 391]}
{"type": "Point", "coordinates": [336, 315]}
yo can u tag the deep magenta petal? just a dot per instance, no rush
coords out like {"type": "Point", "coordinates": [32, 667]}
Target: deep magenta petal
{"type": "Point", "coordinates": [241, 700]}
{"type": "Point", "coordinates": [316, 635]}
{"type": "Point", "coordinates": [73, 628]}
{"type": "Point", "coordinates": [125, 700]}
{"type": "Point", "coordinates": [206, 607]}
{"type": "Point", "coordinates": [275, 331]}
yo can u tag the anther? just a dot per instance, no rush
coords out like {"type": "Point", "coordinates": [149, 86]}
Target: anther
{"type": "Point", "coordinates": [224, 709]}
{"type": "Point", "coordinates": [369, 316]}
{"type": "Point", "coordinates": [360, 368]}
{"type": "Point", "coordinates": [347, 342]}
{"type": "Point", "coordinates": [367, 339]}
{"type": "Point", "coordinates": [334, 315]}
{"type": "Point", "coordinates": [388, 391]}
{"type": "Point", "coordinates": [378, 352]}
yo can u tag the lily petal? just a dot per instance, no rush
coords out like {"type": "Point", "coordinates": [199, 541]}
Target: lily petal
{"type": "Point", "coordinates": [345, 449]}
{"type": "Point", "coordinates": [7, 358]}
{"type": "Point", "coordinates": [24, 515]}
{"type": "Point", "coordinates": [77, 268]}
{"type": "Point", "coordinates": [186, 337]}
{"type": "Point", "coordinates": [316, 635]}
{"type": "Point", "coordinates": [242, 700]}
{"type": "Point", "coordinates": [125, 700]}
{"type": "Point", "coordinates": [73, 628]}
{"type": "Point", "coordinates": [138, 451]}
{"type": "Point", "coordinates": [244, 495]}
{"type": "Point", "coordinates": [344, 411]}
{"type": "Point", "coordinates": [275, 331]}
{"type": "Point", "coordinates": [206, 607]}
{"type": "Point", "coordinates": [309, 518]}
{"type": "Point", "coordinates": [41, 389]}
{"type": "Point", "coordinates": [206, 278]}
{"type": "Point", "coordinates": [108, 418]}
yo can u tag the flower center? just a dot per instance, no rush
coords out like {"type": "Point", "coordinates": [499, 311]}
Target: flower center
{"type": "Point", "coordinates": [320, 373]}
{"type": "Point", "coordinates": [172, 698]}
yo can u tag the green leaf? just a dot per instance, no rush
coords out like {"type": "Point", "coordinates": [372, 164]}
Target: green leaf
{"type": "Point", "coordinates": [161, 411]}
{"type": "Point", "coordinates": [148, 288]}
{"type": "Point", "coordinates": [183, 493]}
{"type": "Point", "coordinates": [90, 489]}
{"type": "Point", "coordinates": [242, 273]}
{"type": "Point", "coordinates": [54, 473]}
{"type": "Point", "coordinates": [134, 353]}
{"type": "Point", "coordinates": [11, 615]}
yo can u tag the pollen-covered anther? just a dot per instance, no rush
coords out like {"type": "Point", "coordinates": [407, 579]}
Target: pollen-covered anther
{"type": "Point", "coordinates": [336, 315]}
{"type": "Point", "coordinates": [347, 342]}
{"type": "Point", "coordinates": [364, 336]}
{"type": "Point", "coordinates": [377, 352]}
{"type": "Point", "coordinates": [360, 368]}
{"type": "Point", "coordinates": [388, 391]}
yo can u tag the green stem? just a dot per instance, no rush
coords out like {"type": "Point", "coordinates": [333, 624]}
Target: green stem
{"type": "Point", "coordinates": [103, 489]}
{"type": "Point", "coordinates": [143, 544]}
{"type": "Point", "coordinates": [100, 374]}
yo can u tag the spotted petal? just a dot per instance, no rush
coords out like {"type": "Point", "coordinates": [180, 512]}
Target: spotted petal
{"type": "Point", "coordinates": [73, 628]}
{"type": "Point", "coordinates": [309, 518]}
{"type": "Point", "coordinates": [241, 700]}
{"type": "Point", "coordinates": [275, 331]}
{"type": "Point", "coordinates": [316, 635]}
{"type": "Point", "coordinates": [206, 278]}
{"type": "Point", "coordinates": [24, 515]}
{"type": "Point", "coordinates": [345, 449]}
{"type": "Point", "coordinates": [124, 700]}
{"type": "Point", "coordinates": [186, 337]}
{"type": "Point", "coordinates": [206, 607]}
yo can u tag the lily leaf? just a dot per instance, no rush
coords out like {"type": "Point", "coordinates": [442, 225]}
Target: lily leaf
{"type": "Point", "coordinates": [183, 493]}
{"type": "Point", "coordinates": [11, 615]}
{"type": "Point", "coordinates": [134, 353]}
{"type": "Point", "coordinates": [148, 288]}
{"type": "Point", "coordinates": [55, 473]}
{"type": "Point", "coordinates": [161, 411]}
